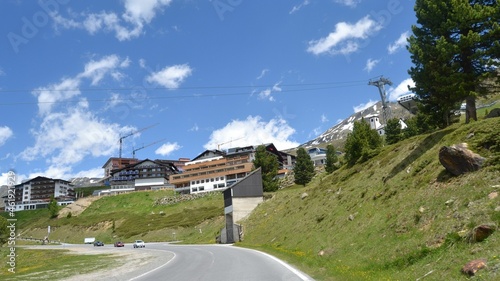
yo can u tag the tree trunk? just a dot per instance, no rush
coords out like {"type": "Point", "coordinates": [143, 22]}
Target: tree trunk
{"type": "Point", "coordinates": [470, 109]}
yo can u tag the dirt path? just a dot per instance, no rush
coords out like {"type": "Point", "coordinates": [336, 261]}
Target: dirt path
{"type": "Point", "coordinates": [77, 207]}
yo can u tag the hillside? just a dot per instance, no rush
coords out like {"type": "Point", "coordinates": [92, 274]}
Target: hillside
{"type": "Point", "coordinates": [336, 135]}
{"type": "Point", "coordinates": [399, 216]}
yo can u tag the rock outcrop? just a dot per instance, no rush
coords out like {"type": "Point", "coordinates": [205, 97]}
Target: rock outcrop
{"type": "Point", "coordinates": [458, 159]}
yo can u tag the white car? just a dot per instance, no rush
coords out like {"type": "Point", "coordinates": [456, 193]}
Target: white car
{"type": "Point", "coordinates": [139, 244]}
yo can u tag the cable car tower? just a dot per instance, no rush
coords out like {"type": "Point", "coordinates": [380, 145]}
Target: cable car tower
{"type": "Point", "coordinates": [380, 83]}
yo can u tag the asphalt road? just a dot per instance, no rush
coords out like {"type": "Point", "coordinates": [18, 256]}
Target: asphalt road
{"type": "Point", "coordinates": [216, 263]}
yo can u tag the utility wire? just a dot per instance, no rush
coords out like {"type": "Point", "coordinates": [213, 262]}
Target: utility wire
{"type": "Point", "coordinates": [319, 86]}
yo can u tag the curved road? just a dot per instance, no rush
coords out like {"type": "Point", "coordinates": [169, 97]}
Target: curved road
{"type": "Point", "coordinates": [217, 263]}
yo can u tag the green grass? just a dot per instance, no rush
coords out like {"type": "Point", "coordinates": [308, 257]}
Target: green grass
{"type": "Point", "coordinates": [52, 264]}
{"type": "Point", "coordinates": [131, 216]}
{"type": "Point", "coordinates": [398, 216]}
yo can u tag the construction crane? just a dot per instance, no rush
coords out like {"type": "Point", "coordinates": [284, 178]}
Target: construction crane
{"type": "Point", "coordinates": [218, 145]}
{"type": "Point", "coordinates": [131, 134]}
{"type": "Point", "coordinates": [380, 83]}
{"type": "Point", "coordinates": [144, 146]}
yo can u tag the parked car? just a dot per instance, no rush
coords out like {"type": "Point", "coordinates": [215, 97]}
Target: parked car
{"type": "Point", "coordinates": [119, 244]}
{"type": "Point", "coordinates": [98, 243]}
{"type": "Point", "coordinates": [139, 244]}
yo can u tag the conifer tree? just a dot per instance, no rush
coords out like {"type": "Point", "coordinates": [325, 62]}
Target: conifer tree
{"type": "Point", "coordinates": [269, 168]}
{"type": "Point", "coordinates": [53, 208]}
{"type": "Point", "coordinates": [362, 143]}
{"type": "Point", "coordinates": [331, 159]}
{"type": "Point", "coordinates": [455, 48]}
{"type": "Point", "coordinates": [304, 167]}
{"type": "Point", "coordinates": [392, 131]}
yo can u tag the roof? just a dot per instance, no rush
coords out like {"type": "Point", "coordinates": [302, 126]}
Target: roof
{"type": "Point", "coordinates": [173, 168]}
{"type": "Point", "coordinates": [40, 178]}
{"type": "Point", "coordinates": [209, 153]}
{"type": "Point", "coordinates": [116, 158]}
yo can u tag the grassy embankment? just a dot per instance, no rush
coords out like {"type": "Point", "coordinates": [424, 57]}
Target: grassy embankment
{"type": "Point", "coordinates": [123, 217]}
{"type": "Point", "coordinates": [399, 216]}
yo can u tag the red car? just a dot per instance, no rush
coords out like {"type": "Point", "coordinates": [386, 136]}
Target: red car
{"type": "Point", "coordinates": [119, 244]}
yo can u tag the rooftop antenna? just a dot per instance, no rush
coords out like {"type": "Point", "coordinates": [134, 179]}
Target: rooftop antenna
{"type": "Point", "coordinates": [380, 83]}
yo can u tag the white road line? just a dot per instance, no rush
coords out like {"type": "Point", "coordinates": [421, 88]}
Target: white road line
{"type": "Point", "coordinates": [295, 271]}
{"type": "Point", "coordinates": [154, 269]}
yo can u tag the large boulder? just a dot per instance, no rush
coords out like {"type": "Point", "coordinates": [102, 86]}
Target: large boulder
{"type": "Point", "coordinates": [458, 159]}
{"type": "Point", "coordinates": [495, 112]}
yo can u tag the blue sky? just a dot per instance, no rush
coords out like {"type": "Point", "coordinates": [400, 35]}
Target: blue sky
{"type": "Point", "coordinates": [181, 76]}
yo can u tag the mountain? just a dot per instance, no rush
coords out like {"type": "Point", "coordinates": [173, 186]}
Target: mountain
{"type": "Point", "coordinates": [337, 134]}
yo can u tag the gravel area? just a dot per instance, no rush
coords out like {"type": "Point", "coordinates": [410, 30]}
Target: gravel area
{"type": "Point", "coordinates": [130, 262]}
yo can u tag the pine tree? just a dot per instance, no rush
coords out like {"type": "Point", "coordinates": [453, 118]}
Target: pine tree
{"type": "Point", "coordinates": [331, 159]}
{"type": "Point", "coordinates": [362, 143]}
{"type": "Point", "coordinates": [304, 167]}
{"type": "Point", "coordinates": [455, 48]}
{"type": "Point", "coordinates": [269, 168]}
{"type": "Point", "coordinates": [392, 131]}
{"type": "Point", "coordinates": [53, 208]}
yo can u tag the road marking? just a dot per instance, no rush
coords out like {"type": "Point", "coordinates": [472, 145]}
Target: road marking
{"type": "Point", "coordinates": [289, 267]}
{"type": "Point", "coordinates": [156, 268]}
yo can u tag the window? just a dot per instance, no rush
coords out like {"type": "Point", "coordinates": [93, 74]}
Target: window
{"type": "Point", "coordinates": [202, 188]}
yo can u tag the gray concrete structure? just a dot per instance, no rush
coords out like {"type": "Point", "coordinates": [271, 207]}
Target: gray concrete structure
{"type": "Point", "coordinates": [239, 201]}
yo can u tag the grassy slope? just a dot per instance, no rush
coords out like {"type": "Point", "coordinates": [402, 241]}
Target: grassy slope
{"type": "Point", "coordinates": [398, 216]}
{"type": "Point", "coordinates": [127, 217]}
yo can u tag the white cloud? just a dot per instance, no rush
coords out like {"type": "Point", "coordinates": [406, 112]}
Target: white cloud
{"type": "Point", "coordinates": [399, 43]}
{"type": "Point", "coordinates": [253, 131]}
{"type": "Point", "coordinates": [67, 173]}
{"type": "Point", "coordinates": [262, 73]}
{"type": "Point", "coordinates": [195, 128]}
{"type": "Point", "coordinates": [345, 39]}
{"type": "Point", "coordinates": [5, 134]}
{"type": "Point", "coordinates": [370, 64]}
{"type": "Point", "coordinates": [364, 106]}
{"type": "Point", "coordinates": [296, 8]}
{"type": "Point", "coordinates": [349, 3]}
{"type": "Point", "coordinates": [401, 89]}
{"type": "Point", "coordinates": [129, 25]}
{"type": "Point", "coordinates": [96, 70]}
{"type": "Point", "coordinates": [5, 178]}
{"type": "Point", "coordinates": [65, 138]}
{"type": "Point", "coordinates": [324, 119]}
{"type": "Point", "coordinates": [167, 148]}
{"type": "Point", "coordinates": [267, 93]}
{"type": "Point", "coordinates": [49, 96]}
{"type": "Point", "coordinates": [171, 76]}
{"type": "Point", "coordinates": [66, 135]}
